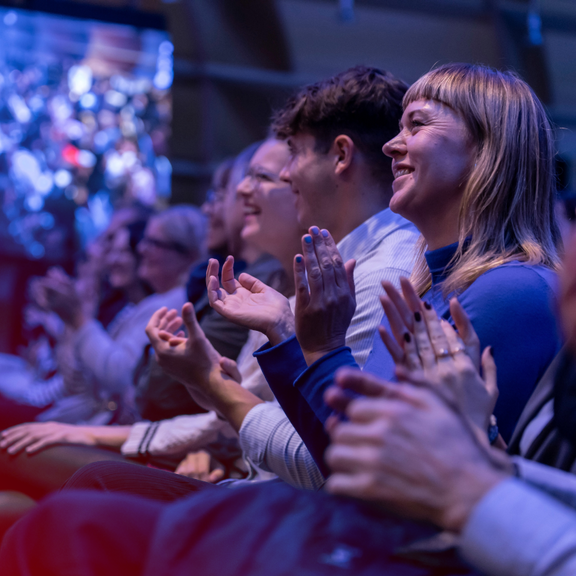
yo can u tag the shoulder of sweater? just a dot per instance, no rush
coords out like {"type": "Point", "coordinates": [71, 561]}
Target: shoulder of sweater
{"type": "Point", "coordinates": [513, 286]}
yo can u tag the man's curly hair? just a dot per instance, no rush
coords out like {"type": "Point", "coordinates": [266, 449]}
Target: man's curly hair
{"type": "Point", "coordinates": [364, 103]}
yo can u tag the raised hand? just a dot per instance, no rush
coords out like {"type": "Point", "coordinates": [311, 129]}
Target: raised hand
{"type": "Point", "coordinates": [249, 302]}
{"type": "Point", "coordinates": [191, 359]}
{"type": "Point", "coordinates": [410, 450]}
{"type": "Point", "coordinates": [57, 292]}
{"type": "Point", "coordinates": [325, 301]}
{"type": "Point", "coordinates": [427, 349]}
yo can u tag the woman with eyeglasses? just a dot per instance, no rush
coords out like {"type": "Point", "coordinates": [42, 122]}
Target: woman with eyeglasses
{"type": "Point", "coordinates": [106, 358]}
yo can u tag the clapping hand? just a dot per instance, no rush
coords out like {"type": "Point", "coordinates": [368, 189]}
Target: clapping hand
{"type": "Point", "coordinates": [427, 349]}
{"type": "Point", "coordinates": [325, 301]}
{"type": "Point", "coordinates": [249, 302]}
{"type": "Point", "coordinates": [409, 449]}
{"type": "Point", "coordinates": [189, 359]}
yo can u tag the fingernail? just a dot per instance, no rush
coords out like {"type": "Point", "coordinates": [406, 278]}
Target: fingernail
{"type": "Point", "coordinates": [491, 351]}
{"type": "Point", "coordinates": [407, 337]}
{"type": "Point", "coordinates": [308, 239]}
{"type": "Point", "coordinates": [325, 233]}
{"type": "Point", "coordinates": [427, 306]}
{"type": "Point", "coordinates": [298, 259]}
{"type": "Point", "coordinates": [417, 316]}
{"type": "Point", "coordinates": [315, 230]}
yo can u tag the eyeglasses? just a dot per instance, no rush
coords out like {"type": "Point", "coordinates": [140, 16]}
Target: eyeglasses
{"type": "Point", "coordinates": [175, 246]}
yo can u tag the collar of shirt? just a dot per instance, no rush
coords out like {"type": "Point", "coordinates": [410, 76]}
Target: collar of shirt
{"type": "Point", "coordinates": [370, 233]}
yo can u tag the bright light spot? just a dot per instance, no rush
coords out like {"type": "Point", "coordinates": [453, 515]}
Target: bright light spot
{"type": "Point", "coordinates": [115, 164]}
{"type": "Point", "coordinates": [166, 48]}
{"type": "Point", "coordinates": [163, 79]}
{"type": "Point", "coordinates": [89, 100]}
{"type": "Point", "coordinates": [19, 110]}
{"type": "Point", "coordinates": [101, 140]}
{"type": "Point", "coordinates": [36, 103]}
{"type": "Point", "coordinates": [74, 129]}
{"type": "Point", "coordinates": [44, 183]}
{"type": "Point", "coordinates": [86, 159]}
{"type": "Point", "coordinates": [36, 250]}
{"type": "Point", "coordinates": [80, 79]}
{"type": "Point", "coordinates": [11, 18]}
{"type": "Point", "coordinates": [62, 178]}
{"type": "Point", "coordinates": [46, 220]}
{"type": "Point", "coordinates": [115, 99]}
{"type": "Point", "coordinates": [34, 202]}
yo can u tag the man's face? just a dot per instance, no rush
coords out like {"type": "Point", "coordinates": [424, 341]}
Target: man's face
{"type": "Point", "coordinates": [311, 176]}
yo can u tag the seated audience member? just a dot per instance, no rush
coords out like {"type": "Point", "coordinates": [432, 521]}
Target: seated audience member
{"type": "Point", "coordinates": [416, 448]}
{"type": "Point", "coordinates": [270, 223]}
{"type": "Point", "coordinates": [350, 115]}
{"type": "Point", "coordinates": [473, 167]}
{"type": "Point", "coordinates": [28, 386]}
{"type": "Point", "coordinates": [172, 242]}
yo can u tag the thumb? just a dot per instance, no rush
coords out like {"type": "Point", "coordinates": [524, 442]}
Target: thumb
{"type": "Point", "coordinates": [231, 369]}
{"type": "Point", "coordinates": [349, 267]}
{"type": "Point", "coordinates": [190, 321]}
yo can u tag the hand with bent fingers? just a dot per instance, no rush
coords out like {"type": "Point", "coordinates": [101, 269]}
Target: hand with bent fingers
{"type": "Point", "coordinates": [37, 435]}
{"type": "Point", "coordinates": [411, 451]}
{"type": "Point", "coordinates": [57, 292]}
{"type": "Point", "coordinates": [325, 301]}
{"type": "Point", "coordinates": [198, 465]}
{"type": "Point", "coordinates": [249, 302]}
{"type": "Point", "coordinates": [191, 360]}
{"type": "Point", "coordinates": [426, 348]}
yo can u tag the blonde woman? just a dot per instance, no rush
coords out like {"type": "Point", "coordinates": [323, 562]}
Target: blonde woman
{"type": "Point", "coordinates": [473, 169]}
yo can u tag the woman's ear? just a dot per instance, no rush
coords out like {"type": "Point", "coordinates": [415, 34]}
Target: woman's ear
{"type": "Point", "coordinates": [343, 150]}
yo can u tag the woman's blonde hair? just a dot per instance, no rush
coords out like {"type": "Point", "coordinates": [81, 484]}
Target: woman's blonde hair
{"type": "Point", "coordinates": [507, 210]}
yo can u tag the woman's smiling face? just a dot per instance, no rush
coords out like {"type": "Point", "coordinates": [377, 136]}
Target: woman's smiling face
{"type": "Point", "coordinates": [432, 157]}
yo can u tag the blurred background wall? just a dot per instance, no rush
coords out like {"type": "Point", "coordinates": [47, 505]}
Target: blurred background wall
{"type": "Point", "coordinates": [234, 61]}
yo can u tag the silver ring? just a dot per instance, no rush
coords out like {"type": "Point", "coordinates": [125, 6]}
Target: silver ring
{"type": "Point", "coordinates": [458, 349]}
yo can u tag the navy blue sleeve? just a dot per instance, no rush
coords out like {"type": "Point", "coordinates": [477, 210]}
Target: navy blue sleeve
{"type": "Point", "coordinates": [318, 377]}
{"type": "Point", "coordinates": [283, 365]}
{"type": "Point", "coordinates": [512, 309]}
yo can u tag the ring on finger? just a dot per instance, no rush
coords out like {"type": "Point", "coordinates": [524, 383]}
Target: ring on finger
{"type": "Point", "coordinates": [458, 349]}
{"type": "Point", "coordinates": [442, 353]}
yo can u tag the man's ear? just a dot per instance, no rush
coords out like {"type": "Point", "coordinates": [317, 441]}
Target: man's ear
{"type": "Point", "coordinates": [343, 150]}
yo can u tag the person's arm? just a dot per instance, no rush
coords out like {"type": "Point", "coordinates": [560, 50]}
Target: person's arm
{"type": "Point", "coordinates": [271, 443]}
{"type": "Point", "coordinates": [512, 310]}
{"type": "Point", "coordinates": [194, 362]}
{"type": "Point", "coordinates": [34, 436]}
{"type": "Point", "coordinates": [516, 530]}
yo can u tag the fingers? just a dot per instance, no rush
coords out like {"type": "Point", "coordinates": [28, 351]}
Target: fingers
{"type": "Point", "coordinates": [154, 321]}
{"type": "Point", "coordinates": [395, 321]}
{"type": "Point", "coordinates": [228, 280]}
{"type": "Point", "coordinates": [363, 383]}
{"type": "Point", "coordinates": [331, 260]}
{"type": "Point", "coordinates": [216, 476]}
{"type": "Point", "coordinates": [489, 373]}
{"type": "Point", "coordinates": [392, 346]}
{"type": "Point", "coordinates": [252, 284]}
{"type": "Point", "coordinates": [215, 295]}
{"type": "Point", "coordinates": [314, 273]}
{"type": "Point", "coordinates": [436, 333]}
{"type": "Point", "coordinates": [455, 344]}
{"type": "Point", "coordinates": [350, 267]}
{"type": "Point", "coordinates": [167, 319]}
{"type": "Point", "coordinates": [465, 330]}
{"type": "Point", "coordinates": [404, 312]}
{"type": "Point", "coordinates": [230, 368]}
{"type": "Point", "coordinates": [301, 283]}
{"type": "Point", "coordinates": [338, 399]}
{"type": "Point", "coordinates": [212, 270]}
{"type": "Point", "coordinates": [410, 297]}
